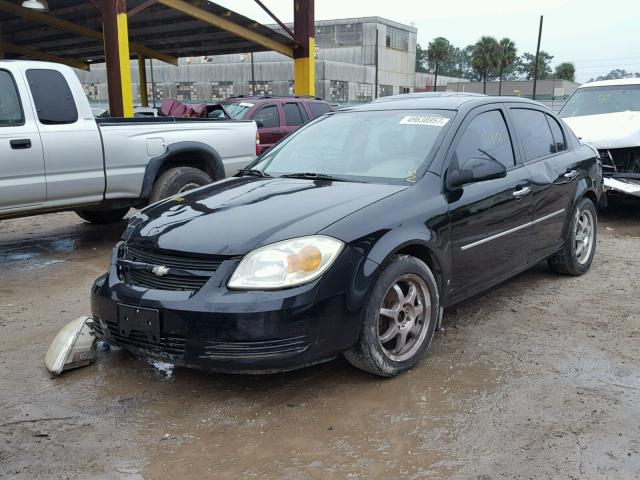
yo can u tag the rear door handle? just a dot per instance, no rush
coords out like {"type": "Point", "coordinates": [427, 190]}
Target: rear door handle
{"type": "Point", "coordinates": [522, 192]}
{"type": "Point", "coordinates": [571, 175]}
{"type": "Point", "coordinates": [20, 144]}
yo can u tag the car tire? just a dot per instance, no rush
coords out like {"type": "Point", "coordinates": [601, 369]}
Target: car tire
{"type": "Point", "coordinates": [178, 180]}
{"type": "Point", "coordinates": [578, 250]}
{"type": "Point", "coordinates": [379, 349]}
{"type": "Point", "coordinates": [102, 217]}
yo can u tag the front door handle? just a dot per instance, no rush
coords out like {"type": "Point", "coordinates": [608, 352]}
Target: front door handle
{"type": "Point", "coordinates": [522, 192]}
{"type": "Point", "coordinates": [20, 144]}
{"type": "Point", "coordinates": [571, 175]}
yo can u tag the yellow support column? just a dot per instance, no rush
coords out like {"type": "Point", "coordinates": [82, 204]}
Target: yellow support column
{"type": "Point", "coordinates": [304, 63]}
{"type": "Point", "coordinates": [304, 72]}
{"type": "Point", "coordinates": [117, 57]}
{"type": "Point", "coordinates": [142, 75]}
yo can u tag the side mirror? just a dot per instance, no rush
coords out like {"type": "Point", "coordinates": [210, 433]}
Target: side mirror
{"type": "Point", "coordinates": [259, 123]}
{"type": "Point", "coordinates": [476, 170]}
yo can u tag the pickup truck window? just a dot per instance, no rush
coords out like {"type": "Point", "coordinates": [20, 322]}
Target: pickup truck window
{"type": "Point", "coordinates": [52, 109]}
{"type": "Point", "coordinates": [10, 108]}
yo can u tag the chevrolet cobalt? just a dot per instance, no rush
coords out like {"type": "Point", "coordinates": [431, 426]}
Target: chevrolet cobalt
{"type": "Point", "coordinates": [351, 236]}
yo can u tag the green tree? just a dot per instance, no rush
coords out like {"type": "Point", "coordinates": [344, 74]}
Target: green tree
{"type": "Point", "coordinates": [507, 55]}
{"type": "Point", "coordinates": [526, 65]}
{"type": "Point", "coordinates": [566, 71]}
{"type": "Point", "coordinates": [437, 52]}
{"type": "Point", "coordinates": [485, 58]}
{"type": "Point", "coordinates": [421, 59]}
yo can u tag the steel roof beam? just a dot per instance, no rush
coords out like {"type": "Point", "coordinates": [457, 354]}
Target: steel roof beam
{"type": "Point", "coordinates": [38, 55]}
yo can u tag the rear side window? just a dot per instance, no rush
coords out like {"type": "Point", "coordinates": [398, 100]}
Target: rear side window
{"type": "Point", "coordinates": [558, 136]}
{"type": "Point", "coordinates": [318, 109]}
{"type": "Point", "coordinates": [292, 114]}
{"type": "Point", "coordinates": [53, 99]}
{"type": "Point", "coordinates": [534, 133]}
{"type": "Point", "coordinates": [268, 116]}
{"type": "Point", "coordinates": [485, 137]}
{"type": "Point", "coordinates": [10, 108]}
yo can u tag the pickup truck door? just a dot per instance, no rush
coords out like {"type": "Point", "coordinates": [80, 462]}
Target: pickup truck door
{"type": "Point", "coordinates": [22, 173]}
{"type": "Point", "coordinates": [555, 172]}
{"type": "Point", "coordinates": [70, 138]}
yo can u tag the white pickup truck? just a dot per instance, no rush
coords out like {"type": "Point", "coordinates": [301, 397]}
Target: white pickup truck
{"type": "Point", "coordinates": [54, 155]}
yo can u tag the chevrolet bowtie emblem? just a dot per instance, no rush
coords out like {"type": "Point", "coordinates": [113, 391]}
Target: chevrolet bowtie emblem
{"type": "Point", "coordinates": [160, 270]}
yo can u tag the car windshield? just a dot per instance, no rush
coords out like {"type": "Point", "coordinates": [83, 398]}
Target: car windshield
{"type": "Point", "coordinates": [385, 146]}
{"type": "Point", "coordinates": [237, 110]}
{"type": "Point", "coordinates": [605, 99]}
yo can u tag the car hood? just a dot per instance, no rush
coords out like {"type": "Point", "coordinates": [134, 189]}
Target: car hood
{"type": "Point", "coordinates": [607, 130]}
{"type": "Point", "coordinates": [237, 215]}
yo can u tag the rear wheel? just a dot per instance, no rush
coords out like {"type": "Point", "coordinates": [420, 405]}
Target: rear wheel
{"type": "Point", "coordinates": [103, 216]}
{"type": "Point", "coordinates": [577, 253]}
{"type": "Point", "coordinates": [399, 319]}
{"type": "Point", "coordinates": [178, 180]}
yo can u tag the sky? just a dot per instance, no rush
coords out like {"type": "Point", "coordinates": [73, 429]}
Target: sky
{"type": "Point", "coordinates": [596, 35]}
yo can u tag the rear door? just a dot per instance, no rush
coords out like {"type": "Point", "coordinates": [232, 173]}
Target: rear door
{"type": "Point", "coordinates": [491, 220]}
{"type": "Point", "coordinates": [272, 129]}
{"type": "Point", "coordinates": [71, 142]}
{"type": "Point", "coordinates": [294, 116]}
{"type": "Point", "coordinates": [22, 173]}
{"type": "Point", "coordinates": [554, 173]}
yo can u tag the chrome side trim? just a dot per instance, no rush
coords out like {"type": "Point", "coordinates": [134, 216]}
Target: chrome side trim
{"type": "Point", "coordinates": [493, 237]}
{"type": "Point", "coordinates": [510, 231]}
{"type": "Point", "coordinates": [547, 217]}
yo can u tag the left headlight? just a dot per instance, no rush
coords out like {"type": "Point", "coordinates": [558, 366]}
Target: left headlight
{"type": "Point", "coordinates": [286, 264]}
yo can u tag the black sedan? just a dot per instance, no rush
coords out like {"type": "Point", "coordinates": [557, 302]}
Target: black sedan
{"type": "Point", "coordinates": [351, 236]}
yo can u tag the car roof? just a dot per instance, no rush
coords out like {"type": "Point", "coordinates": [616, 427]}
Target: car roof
{"type": "Point", "coordinates": [437, 102]}
{"type": "Point", "coordinates": [262, 98]}
{"type": "Point", "coordinates": [619, 81]}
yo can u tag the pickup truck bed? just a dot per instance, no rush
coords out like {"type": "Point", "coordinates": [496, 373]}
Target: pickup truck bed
{"type": "Point", "coordinates": [54, 155]}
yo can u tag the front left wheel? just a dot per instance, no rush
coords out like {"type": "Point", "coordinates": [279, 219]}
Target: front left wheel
{"type": "Point", "coordinates": [399, 319]}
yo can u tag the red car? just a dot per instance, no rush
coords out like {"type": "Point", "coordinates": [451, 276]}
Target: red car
{"type": "Point", "coordinates": [276, 117]}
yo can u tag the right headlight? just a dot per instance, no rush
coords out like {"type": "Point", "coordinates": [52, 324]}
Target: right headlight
{"type": "Point", "coordinates": [286, 264]}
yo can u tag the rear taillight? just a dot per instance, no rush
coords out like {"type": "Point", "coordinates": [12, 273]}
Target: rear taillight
{"type": "Point", "coordinates": [257, 144]}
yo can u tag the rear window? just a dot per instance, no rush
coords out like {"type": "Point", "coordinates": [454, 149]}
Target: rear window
{"type": "Point", "coordinates": [237, 110]}
{"type": "Point", "coordinates": [52, 96]}
{"type": "Point", "coordinates": [10, 108]}
{"type": "Point", "coordinates": [318, 109]}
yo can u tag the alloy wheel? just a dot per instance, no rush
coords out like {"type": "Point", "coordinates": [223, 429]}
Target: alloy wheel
{"type": "Point", "coordinates": [583, 235]}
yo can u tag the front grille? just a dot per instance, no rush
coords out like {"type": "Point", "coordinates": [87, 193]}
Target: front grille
{"type": "Point", "coordinates": [170, 343]}
{"type": "Point", "coordinates": [195, 269]}
{"type": "Point", "coordinates": [253, 350]}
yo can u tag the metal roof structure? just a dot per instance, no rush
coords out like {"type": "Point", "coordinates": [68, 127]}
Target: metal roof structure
{"type": "Point", "coordinates": [162, 29]}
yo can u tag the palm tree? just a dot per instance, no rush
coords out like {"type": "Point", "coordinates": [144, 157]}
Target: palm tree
{"type": "Point", "coordinates": [485, 58]}
{"type": "Point", "coordinates": [437, 52]}
{"type": "Point", "coordinates": [506, 58]}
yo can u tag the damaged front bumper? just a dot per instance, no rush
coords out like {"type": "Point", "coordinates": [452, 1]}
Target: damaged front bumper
{"type": "Point", "coordinates": [621, 169]}
{"type": "Point", "coordinates": [630, 186]}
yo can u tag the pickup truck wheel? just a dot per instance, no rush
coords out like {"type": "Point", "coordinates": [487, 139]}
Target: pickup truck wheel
{"type": "Point", "coordinates": [399, 319]}
{"type": "Point", "coordinates": [178, 180]}
{"type": "Point", "coordinates": [577, 253]}
{"type": "Point", "coordinates": [103, 216]}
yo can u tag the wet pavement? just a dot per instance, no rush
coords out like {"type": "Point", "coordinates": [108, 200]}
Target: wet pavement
{"type": "Point", "coordinates": [540, 378]}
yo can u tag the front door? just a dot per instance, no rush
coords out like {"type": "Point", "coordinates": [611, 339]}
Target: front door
{"type": "Point", "coordinates": [272, 129]}
{"type": "Point", "coordinates": [491, 220]}
{"type": "Point", "coordinates": [22, 172]}
{"type": "Point", "coordinates": [555, 172]}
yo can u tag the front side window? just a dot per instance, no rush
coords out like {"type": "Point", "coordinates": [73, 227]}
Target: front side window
{"type": "Point", "coordinates": [292, 115]}
{"type": "Point", "coordinates": [269, 116]}
{"type": "Point", "coordinates": [486, 137]}
{"type": "Point", "coordinates": [52, 96]}
{"type": "Point", "coordinates": [10, 108]}
{"type": "Point", "coordinates": [534, 133]}
{"type": "Point", "coordinates": [600, 100]}
{"type": "Point", "coordinates": [386, 146]}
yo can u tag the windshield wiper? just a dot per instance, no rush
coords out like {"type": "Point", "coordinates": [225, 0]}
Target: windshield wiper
{"type": "Point", "coordinates": [314, 176]}
{"type": "Point", "coordinates": [252, 172]}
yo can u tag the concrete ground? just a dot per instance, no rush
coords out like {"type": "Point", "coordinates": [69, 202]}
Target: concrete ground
{"type": "Point", "coordinates": [539, 378]}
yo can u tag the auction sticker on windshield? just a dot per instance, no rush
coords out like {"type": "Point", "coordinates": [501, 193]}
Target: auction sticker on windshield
{"type": "Point", "coordinates": [430, 120]}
